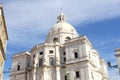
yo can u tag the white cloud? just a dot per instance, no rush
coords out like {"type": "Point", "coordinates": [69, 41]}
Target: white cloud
{"type": "Point", "coordinates": [36, 17]}
{"type": "Point", "coordinates": [28, 21]}
{"type": "Point", "coordinates": [107, 48]}
{"type": "Point", "coordinates": [104, 44]}
{"type": "Point", "coordinates": [6, 78]}
{"type": "Point", "coordinates": [114, 74]}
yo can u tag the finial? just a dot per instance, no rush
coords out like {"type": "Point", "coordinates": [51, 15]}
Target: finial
{"type": "Point", "coordinates": [61, 17]}
{"type": "Point", "coordinates": [61, 10]}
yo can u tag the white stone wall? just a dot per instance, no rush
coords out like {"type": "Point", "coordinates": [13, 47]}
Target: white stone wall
{"type": "Point", "coordinates": [22, 60]}
{"type": "Point", "coordinates": [88, 63]}
{"type": "Point", "coordinates": [46, 69]}
{"type": "Point", "coordinates": [117, 54]}
{"type": "Point", "coordinates": [61, 37]}
{"type": "Point", "coordinates": [118, 61]}
{"type": "Point", "coordinates": [18, 77]}
{"type": "Point", "coordinates": [81, 67]}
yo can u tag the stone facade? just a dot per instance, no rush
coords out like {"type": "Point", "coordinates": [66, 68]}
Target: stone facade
{"type": "Point", "coordinates": [117, 54]}
{"type": "Point", "coordinates": [3, 41]}
{"type": "Point", "coordinates": [64, 56]}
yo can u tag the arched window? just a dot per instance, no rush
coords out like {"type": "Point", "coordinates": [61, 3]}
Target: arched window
{"type": "Point", "coordinates": [67, 38]}
{"type": "Point", "coordinates": [76, 54]}
{"type": "Point", "coordinates": [55, 40]}
{"type": "Point", "coordinates": [18, 68]}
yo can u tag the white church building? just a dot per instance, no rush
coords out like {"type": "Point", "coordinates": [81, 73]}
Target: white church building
{"type": "Point", "coordinates": [64, 56]}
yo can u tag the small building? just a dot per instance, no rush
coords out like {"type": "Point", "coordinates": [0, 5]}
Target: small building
{"type": "Point", "coordinates": [64, 56]}
{"type": "Point", "coordinates": [3, 41]}
{"type": "Point", "coordinates": [117, 54]}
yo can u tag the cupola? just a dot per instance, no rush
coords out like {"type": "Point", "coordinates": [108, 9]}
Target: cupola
{"type": "Point", "coordinates": [61, 31]}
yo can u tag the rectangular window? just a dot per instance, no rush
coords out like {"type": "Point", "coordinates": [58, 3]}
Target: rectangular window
{"type": "Point", "coordinates": [18, 68]}
{"type": "Point", "coordinates": [64, 53]}
{"type": "Point", "coordinates": [51, 61]}
{"type": "Point", "coordinates": [64, 59]}
{"type": "Point", "coordinates": [40, 62]}
{"type": "Point", "coordinates": [65, 77]}
{"type": "Point", "coordinates": [51, 51]}
{"type": "Point", "coordinates": [77, 74]}
{"type": "Point", "coordinates": [41, 53]}
{"type": "Point", "coordinates": [76, 54]}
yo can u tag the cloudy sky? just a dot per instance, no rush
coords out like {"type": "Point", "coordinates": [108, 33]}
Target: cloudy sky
{"type": "Point", "coordinates": [29, 21]}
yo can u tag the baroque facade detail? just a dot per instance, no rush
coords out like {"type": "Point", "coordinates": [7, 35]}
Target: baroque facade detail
{"type": "Point", "coordinates": [64, 56]}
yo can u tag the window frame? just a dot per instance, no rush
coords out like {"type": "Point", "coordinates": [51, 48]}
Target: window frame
{"type": "Point", "coordinates": [18, 68]}
{"type": "Point", "coordinates": [64, 59]}
{"type": "Point", "coordinates": [64, 53]}
{"type": "Point", "coordinates": [77, 74]}
{"type": "Point", "coordinates": [40, 62]}
{"type": "Point", "coordinates": [76, 55]}
{"type": "Point", "coordinates": [55, 40]}
{"type": "Point", "coordinates": [41, 53]}
{"type": "Point", "coordinates": [51, 51]}
{"type": "Point", "coordinates": [65, 77]}
{"type": "Point", "coordinates": [51, 61]}
{"type": "Point", "coordinates": [67, 38]}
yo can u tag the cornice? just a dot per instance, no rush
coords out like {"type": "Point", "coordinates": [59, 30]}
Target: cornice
{"type": "Point", "coordinates": [118, 49]}
{"type": "Point", "coordinates": [21, 54]}
{"type": "Point", "coordinates": [117, 55]}
{"type": "Point", "coordinates": [82, 38]}
{"type": "Point", "coordinates": [4, 23]}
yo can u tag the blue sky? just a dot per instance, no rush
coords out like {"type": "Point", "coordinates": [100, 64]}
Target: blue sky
{"type": "Point", "coordinates": [29, 21]}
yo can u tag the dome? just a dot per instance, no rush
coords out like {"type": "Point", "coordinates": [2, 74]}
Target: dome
{"type": "Point", "coordinates": [61, 30]}
{"type": "Point", "coordinates": [63, 26]}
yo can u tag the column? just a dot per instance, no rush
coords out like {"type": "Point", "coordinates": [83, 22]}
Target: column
{"type": "Point", "coordinates": [45, 59]}
{"type": "Point", "coordinates": [44, 75]}
{"type": "Point", "coordinates": [57, 54]}
{"type": "Point", "coordinates": [34, 74]}
{"type": "Point", "coordinates": [58, 73]}
{"type": "Point", "coordinates": [84, 51]}
{"type": "Point", "coordinates": [87, 73]}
